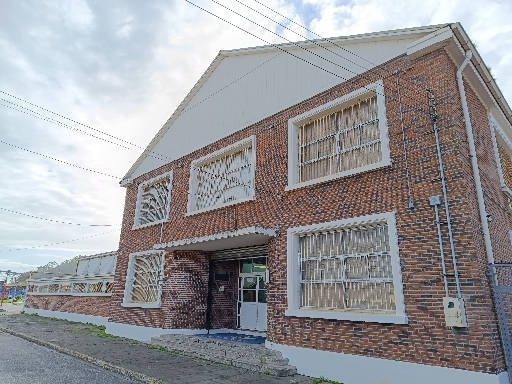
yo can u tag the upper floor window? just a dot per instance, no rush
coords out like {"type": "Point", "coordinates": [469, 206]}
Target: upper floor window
{"type": "Point", "coordinates": [223, 178]}
{"type": "Point", "coordinates": [347, 270]}
{"type": "Point", "coordinates": [345, 136]}
{"type": "Point", "coordinates": [503, 151]}
{"type": "Point", "coordinates": [153, 201]}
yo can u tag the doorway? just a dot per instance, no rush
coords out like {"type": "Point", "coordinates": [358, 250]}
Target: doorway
{"type": "Point", "coordinates": [252, 294]}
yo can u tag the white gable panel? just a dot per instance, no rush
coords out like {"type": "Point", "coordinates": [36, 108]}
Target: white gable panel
{"type": "Point", "coordinates": [277, 81]}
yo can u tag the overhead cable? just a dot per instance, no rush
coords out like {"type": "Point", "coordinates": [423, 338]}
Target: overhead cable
{"type": "Point", "coordinates": [58, 221]}
{"type": "Point", "coordinates": [62, 242]}
{"type": "Point", "coordinates": [316, 34]}
{"type": "Point", "coordinates": [60, 161]}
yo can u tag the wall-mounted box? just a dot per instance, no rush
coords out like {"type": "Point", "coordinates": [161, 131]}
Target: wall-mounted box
{"type": "Point", "coordinates": [454, 312]}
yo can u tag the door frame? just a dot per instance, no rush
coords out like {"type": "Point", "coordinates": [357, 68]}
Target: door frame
{"type": "Point", "coordinates": [241, 276]}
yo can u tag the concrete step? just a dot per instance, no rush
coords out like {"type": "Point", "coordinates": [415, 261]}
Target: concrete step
{"type": "Point", "coordinates": [254, 357]}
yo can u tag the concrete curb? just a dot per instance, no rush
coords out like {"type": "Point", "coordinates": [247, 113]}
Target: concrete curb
{"type": "Point", "coordinates": [100, 363]}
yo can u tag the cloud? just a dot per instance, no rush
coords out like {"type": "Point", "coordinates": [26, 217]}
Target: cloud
{"type": "Point", "coordinates": [123, 67]}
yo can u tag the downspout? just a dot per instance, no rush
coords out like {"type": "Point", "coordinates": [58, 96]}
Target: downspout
{"type": "Point", "coordinates": [474, 161]}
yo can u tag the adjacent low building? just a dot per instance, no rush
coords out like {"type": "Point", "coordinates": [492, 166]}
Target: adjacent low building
{"type": "Point", "coordinates": [349, 197]}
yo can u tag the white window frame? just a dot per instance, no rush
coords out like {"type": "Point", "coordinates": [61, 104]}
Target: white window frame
{"type": "Point", "coordinates": [226, 151]}
{"type": "Point", "coordinates": [294, 291]}
{"type": "Point", "coordinates": [141, 188]}
{"type": "Point", "coordinates": [129, 281]}
{"type": "Point", "coordinates": [498, 135]}
{"type": "Point", "coordinates": [328, 108]}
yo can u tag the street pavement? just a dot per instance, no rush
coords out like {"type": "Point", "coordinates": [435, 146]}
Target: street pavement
{"type": "Point", "coordinates": [131, 355]}
{"type": "Point", "coordinates": [24, 362]}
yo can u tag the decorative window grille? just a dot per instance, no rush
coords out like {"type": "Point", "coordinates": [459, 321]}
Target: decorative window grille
{"type": "Point", "coordinates": [347, 269]}
{"type": "Point", "coordinates": [108, 287]}
{"type": "Point", "coordinates": [226, 179]}
{"type": "Point", "coordinates": [145, 280]}
{"type": "Point", "coordinates": [154, 199]}
{"type": "Point", "coordinates": [347, 139]}
{"type": "Point", "coordinates": [80, 287]}
{"type": "Point", "coordinates": [506, 166]}
{"type": "Point", "coordinates": [52, 288]}
{"type": "Point", "coordinates": [95, 287]}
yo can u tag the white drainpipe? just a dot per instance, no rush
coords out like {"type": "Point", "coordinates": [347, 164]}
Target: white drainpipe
{"type": "Point", "coordinates": [474, 161]}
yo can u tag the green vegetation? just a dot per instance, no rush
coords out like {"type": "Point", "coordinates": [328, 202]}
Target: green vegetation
{"type": "Point", "coordinates": [322, 379]}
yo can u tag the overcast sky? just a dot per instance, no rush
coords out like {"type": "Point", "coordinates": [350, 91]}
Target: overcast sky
{"type": "Point", "coordinates": [122, 67]}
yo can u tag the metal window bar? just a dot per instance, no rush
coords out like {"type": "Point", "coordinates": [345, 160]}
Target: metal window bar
{"type": "Point", "coordinates": [155, 202]}
{"type": "Point", "coordinates": [347, 269]}
{"type": "Point", "coordinates": [147, 278]}
{"type": "Point", "coordinates": [223, 180]}
{"type": "Point", "coordinates": [343, 140]}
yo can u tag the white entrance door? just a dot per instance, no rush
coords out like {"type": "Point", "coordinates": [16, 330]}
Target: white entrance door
{"type": "Point", "coordinates": [253, 301]}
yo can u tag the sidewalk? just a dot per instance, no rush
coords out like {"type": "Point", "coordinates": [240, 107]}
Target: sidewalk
{"type": "Point", "coordinates": [165, 366]}
{"type": "Point", "coordinates": [9, 309]}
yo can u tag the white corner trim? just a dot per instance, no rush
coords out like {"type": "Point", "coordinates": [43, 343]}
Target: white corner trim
{"type": "Point", "coordinates": [376, 88]}
{"type": "Point", "coordinates": [372, 370]}
{"type": "Point", "coordinates": [141, 333]}
{"type": "Point", "coordinates": [140, 189]}
{"type": "Point", "coordinates": [429, 43]}
{"type": "Point", "coordinates": [97, 320]}
{"type": "Point", "coordinates": [347, 173]}
{"type": "Point", "coordinates": [126, 182]}
{"type": "Point", "coordinates": [129, 281]}
{"type": "Point", "coordinates": [223, 152]}
{"type": "Point", "coordinates": [293, 278]}
{"type": "Point", "coordinates": [217, 236]}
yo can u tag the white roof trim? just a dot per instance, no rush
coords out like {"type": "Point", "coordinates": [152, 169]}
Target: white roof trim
{"type": "Point", "coordinates": [375, 36]}
{"type": "Point", "coordinates": [218, 241]}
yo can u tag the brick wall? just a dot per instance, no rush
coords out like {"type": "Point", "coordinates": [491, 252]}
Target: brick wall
{"type": "Point", "coordinates": [225, 303]}
{"type": "Point", "coordinates": [84, 305]}
{"type": "Point", "coordinates": [425, 339]}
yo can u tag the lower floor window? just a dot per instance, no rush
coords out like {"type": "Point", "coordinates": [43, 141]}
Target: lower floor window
{"type": "Point", "coordinates": [144, 280]}
{"type": "Point", "coordinates": [348, 268]}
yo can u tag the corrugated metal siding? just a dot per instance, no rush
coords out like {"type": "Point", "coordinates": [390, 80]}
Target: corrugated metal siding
{"type": "Point", "coordinates": [240, 253]}
{"type": "Point", "coordinates": [98, 265]}
{"type": "Point", "coordinates": [276, 85]}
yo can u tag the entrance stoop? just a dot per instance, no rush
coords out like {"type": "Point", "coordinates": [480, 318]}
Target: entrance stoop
{"type": "Point", "coordinates": [253, 357]}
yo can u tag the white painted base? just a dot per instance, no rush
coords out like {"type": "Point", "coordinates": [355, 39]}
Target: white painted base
{"type": "Point", "coordinates": [354, 369]}
{"type": "Point", "coordinates": [140, 333]}
{"type": "Point", "coordinates": [96, 320]}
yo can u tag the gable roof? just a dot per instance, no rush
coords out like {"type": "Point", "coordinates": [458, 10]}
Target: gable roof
{"type": "Point", "coordinates": [425, 37]}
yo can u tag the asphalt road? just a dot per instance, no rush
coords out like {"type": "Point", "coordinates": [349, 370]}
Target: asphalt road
{"type": "Point", "coordinates": [22, 362]}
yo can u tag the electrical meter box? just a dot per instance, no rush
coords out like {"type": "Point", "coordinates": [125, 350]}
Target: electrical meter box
{"type": "Point", "coordinates": [454, 313]}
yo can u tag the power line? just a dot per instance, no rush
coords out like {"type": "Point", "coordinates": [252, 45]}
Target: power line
{"type": "Point", "coordinates": [304, 37]}
{"type": "Point", "coordinates": [60, 161]}
{"type": "Point", "coordinates": [316, 34]}
{"type": "Point", "coordinates": [50, 120]}
{"type": "Point", "coordinates": [158, 156]}
{"type": "Point", "coordinates": [64, 117]}
{"type": "Point", "coordinates": [57, 221]}
{"type": "Point", "coordinates": [277, 46]}
{"type": "Point", "coordinates": [62, 242]}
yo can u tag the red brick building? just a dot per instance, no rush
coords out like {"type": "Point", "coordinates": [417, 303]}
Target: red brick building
{"type": "Point", "coordinates": [298, 191]}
